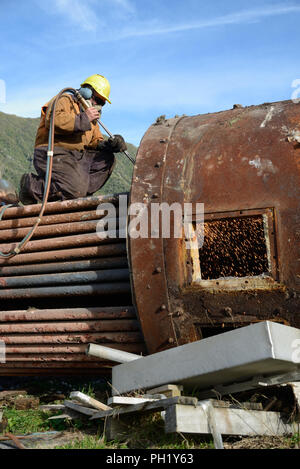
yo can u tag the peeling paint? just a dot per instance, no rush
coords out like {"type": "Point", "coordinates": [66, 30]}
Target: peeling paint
{"type": "Point", "coordinates": [263, 165]}
{"type": "Point", "coordinates": [268, 117]}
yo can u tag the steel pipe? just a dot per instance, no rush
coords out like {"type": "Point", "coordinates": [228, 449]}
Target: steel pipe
{"type": "Point", "coordinates": [16, 223]}
{"type": "Point", "coordinates": [63, 229]}
{"type": "Point", "coordinates": [51, 357]}
{"type": "Point", "coordinates": [120, 337]}
{"type": "Point", "coordinates": [65, 349]}
{"type": "Point", "coordinates": [64, 206]}
{"type": "Point", "coordinates": [72, 326]}
{"type": "Point", "coordinates": [74, 278]}
{"type": "Point", "coordinates": [67, 242]}
{"type": "Point", "coordinates": [73, 266]}
{"type": "Point", "coordinates": [53, 367]}
{"type": "Point", "coordinates": [66, 291]}
{"type": "Point", "coordinates": [110, 354]}
{"type": "Point", "coordinates": [67, 254]}
{"type": "Point", "coordinates": [32, 314]}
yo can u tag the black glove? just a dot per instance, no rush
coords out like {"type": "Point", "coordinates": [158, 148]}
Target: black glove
{"type": "Point", "coordinates": [116, 144]}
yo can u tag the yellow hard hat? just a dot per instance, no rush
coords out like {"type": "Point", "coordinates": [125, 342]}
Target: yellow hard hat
{"type": "Point", "coordinates": [100, 84]}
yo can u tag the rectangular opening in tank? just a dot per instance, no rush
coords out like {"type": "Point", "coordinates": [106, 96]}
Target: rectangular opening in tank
{"type": "Point", "coordinates": [236, 245]}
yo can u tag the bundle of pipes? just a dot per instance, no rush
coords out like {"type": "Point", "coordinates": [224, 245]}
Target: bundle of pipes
{"type": "Point", "coordinates": [67, 288]}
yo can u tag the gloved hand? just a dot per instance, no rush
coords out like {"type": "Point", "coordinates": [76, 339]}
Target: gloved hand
{"type": "Point", "coordinates": [116, 144]}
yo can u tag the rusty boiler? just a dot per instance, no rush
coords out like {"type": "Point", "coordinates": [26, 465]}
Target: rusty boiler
{"type": "Point", "coordinates": [244, 166]}
{"type": "Point", "coordinates": [69, 288]}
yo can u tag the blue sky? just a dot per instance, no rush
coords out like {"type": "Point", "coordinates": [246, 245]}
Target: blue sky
{"type": "Point", "coordinates": [160, 56]}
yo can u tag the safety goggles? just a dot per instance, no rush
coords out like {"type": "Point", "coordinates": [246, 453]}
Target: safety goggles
{"type": "Point", "coordinates": [99, 101]}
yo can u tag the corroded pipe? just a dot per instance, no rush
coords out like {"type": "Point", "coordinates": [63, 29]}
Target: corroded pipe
{"type": "Point", "coordinates": [74, 278]}
{"type": "Point", "coordinates": [67, 242]}
{"type": "Point", "coordinates": [66, 291]}
{"type": "Point", "coordinates": [33, 314]}
{"type": "Point", "coordinates": [72, 326]}
{"type": "Point", "coordinates": [65, 348]}
{"type": "Point", "coordinates": [67, 254]}
{"type": "Point", "coordinates": [53, 357]}
{"type": "Point", "coordinates": [59, 207]}
{"type": "Point", "coordinates": [62, 229]}
{"type": "Point", "coordinates": [120, 337]}
{"type": "Point", "coordinates": [72, 266]}
{"type": "Point", "coordinates": [27, 368]}
{"type": "Point", "coordinates": [51, 219]}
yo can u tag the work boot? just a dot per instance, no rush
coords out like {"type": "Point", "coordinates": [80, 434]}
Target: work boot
{"type": "Point", "coordinates": [25, 195]}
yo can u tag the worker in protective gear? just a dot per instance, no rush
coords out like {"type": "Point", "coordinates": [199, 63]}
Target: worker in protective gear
{"type": "Point", "coordinates": [82, 161]}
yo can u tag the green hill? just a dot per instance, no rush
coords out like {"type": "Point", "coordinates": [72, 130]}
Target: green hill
{"type": "Point", "coordinates": [17, 136]}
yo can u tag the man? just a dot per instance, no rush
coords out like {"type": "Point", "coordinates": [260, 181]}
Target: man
{"type": "Point", "coordinates": [82, 161]}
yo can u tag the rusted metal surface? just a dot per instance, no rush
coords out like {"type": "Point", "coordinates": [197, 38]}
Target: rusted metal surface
{"type": "Point", "coordinates": [15, 223]}
{"type": "Point", "coordinates": [65, 349]}
{"type": "Point", "coordinates": [66, 254]}
{"type": "Point", "coordinates": [57, 229]}
{"type": "Point", "coordinates": [146, 255]}
{"type": "Point", "coordinates": [74, 205]}
{"type": "Point", "coordinates": [240, 161]}
{"type": "Point", "coordinates": [75, 338]}
{"type": "Point", "coordinates": [64, 291]}
{"type": "Point", "coordinates": [71, 266]}
{"type": "Point", "coordinates": [63, 242]}
{"type": "Point", "coordinates": [33, 314]}
{"type": "Point", "coordinates": [74, 278]}
{"type": "Point", "coordinates": [72, 326]}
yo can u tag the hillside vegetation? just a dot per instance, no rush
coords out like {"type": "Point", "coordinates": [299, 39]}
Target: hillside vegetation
{"type": "Point", "coordinates": [17, 136]}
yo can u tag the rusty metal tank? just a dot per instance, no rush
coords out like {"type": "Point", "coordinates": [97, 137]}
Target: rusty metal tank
{"type": "Point", "coordinates": [69, 288]}
{"type": "Point", "coordinates": [244, 166]}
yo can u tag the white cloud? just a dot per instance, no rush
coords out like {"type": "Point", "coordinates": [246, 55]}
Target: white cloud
{"type": "Point", "coordinates": [113, 28]}
{"type": "Point", "coordinates": [125, 4]}
{"type": "Point", "coordinates": [241, 17]}
{"type": "Point", "coordinates": [88, 15]}
{"type": "Point", "coordinates": [78, 13]}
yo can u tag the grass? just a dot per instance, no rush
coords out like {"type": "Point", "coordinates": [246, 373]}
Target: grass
{"type": "Point", "coordinates": [21, 422]}
{"type": "Point", "coordinates": [92, 442]}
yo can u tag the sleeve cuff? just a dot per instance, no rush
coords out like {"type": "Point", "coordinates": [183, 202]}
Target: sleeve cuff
{"type": "Point", "coordinates": [82, 123]}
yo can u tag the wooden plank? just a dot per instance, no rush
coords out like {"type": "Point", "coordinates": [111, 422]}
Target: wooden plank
{"type": "Point", "coordinates": [122, 400]}
{"type": "Point", "coordinates": [79, 408]}
{"type": "Point", "coordinates": [155, 406]}
{"type": "Point", "coordinates": [54, 407]}
{"type": "Point", "coordinates": [190, 419]}
{"type": "Point", "coordinates": [169, 390]}
{"type": "Point", "coordinates": [68, 414]}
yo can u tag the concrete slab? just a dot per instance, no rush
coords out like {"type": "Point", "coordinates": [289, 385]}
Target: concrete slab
{"type": "Point", "coordinates": [188, 419]}
{"type": "Point", "coordinates": [264, 348]}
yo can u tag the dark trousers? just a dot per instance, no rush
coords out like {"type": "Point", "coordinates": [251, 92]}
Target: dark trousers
{"type": "Point", "coordinates": [74, 173]}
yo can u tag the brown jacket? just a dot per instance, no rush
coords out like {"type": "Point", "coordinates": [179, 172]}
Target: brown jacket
{"type": "Point", "coordinates": [73, 130]}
